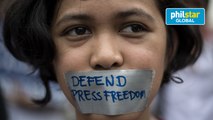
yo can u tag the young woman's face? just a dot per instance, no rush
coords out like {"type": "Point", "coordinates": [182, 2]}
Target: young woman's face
{"type": "Point", "coordinates": [109, 35]}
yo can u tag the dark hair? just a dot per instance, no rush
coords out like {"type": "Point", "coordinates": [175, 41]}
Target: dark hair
{"type": "Point", "coordinates": [197, 3]}
{"type": "Point", "coordinates": [189, 44]}
{"type": "Point", "coordinates": [26, 32]}
{"type": "Point", "coordinates": [4, 5]}
{"type": "Point", "coordinates": [27, 36]}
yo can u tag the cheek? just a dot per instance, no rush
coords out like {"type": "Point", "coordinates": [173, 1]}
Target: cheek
{"type": "Point", "coordinates": [69, 60]}
{"type": "Point", "coordinates": [146, 57]}
{"type": "Point", "coordinates": [150, 57]}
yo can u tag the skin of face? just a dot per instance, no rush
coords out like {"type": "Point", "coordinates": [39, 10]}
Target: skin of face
{"type": "Point", "coordinates": [109, 35]}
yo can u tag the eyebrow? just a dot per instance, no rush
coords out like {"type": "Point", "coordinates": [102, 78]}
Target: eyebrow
{"type": "Point", "coordinates": [134, 12]}
{"type": "Point", "coordinates": [81, 17]}
{"type": "Point", "coordinates": [120, 15]}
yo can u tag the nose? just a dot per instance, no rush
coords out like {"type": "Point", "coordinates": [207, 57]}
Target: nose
{"type": "Point", "coordinates": [106, 55]}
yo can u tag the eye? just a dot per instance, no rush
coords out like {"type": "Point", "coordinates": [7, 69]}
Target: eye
{"type": "Point", "coordinates": [133, 28]}
{"type": "Point", "coordinates": [77, 31]}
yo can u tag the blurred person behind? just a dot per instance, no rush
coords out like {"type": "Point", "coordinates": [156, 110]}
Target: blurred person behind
{"type": "Point", "coordinates": [192, 99]}
{"type": "Point", "coordinates": [16, 80]}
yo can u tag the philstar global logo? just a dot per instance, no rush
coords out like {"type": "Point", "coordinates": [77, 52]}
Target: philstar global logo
{"type": "Point", "coordinates": [185, 16]}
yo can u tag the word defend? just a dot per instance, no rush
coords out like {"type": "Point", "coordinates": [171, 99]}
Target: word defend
{"type": "Point", "coordinates": [185, 16]}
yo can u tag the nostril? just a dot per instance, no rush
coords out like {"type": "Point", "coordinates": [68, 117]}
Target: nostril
{"type": "Point", "coordinates": [104, 67]}
{"type": "Point", "coordinates": [106, 61]}
{"type": "Point", "coordinates": [115, 65]}
{"type": "Point", "coordinates": [99, 67]}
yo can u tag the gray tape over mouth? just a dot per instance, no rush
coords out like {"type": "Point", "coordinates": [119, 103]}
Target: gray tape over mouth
{"type": "Point", "coordinates": [110, 92]}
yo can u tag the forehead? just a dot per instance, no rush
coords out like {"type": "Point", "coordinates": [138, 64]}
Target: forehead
{"type": "Point", "coordinates": [106, 8]}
